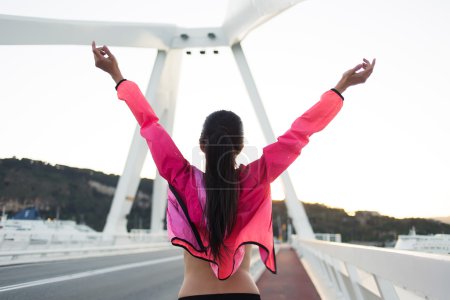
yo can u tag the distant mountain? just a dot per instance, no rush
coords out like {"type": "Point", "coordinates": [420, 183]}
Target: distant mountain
{"type": "Point", "coordinates": [74, 194]}
{"type": "Point", "coordinates": [365, 227]}
{"type": "Point", "coordinates": [443, 219]}
{"type": "Point", "coordinates": [85, 196]}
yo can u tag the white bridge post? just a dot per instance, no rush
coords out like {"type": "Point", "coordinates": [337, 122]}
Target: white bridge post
{"type": "Point", "coordinates": [161, 93]}
{"type": "Point", "coordinates": [355, 280]}
{"type": "Point", "coordinates": [116, 222]}
{"type": "Point", "coordinates": [166, 96]}
{"type": "Point", "coordinates": [386, 288]}
{"type": "Point", "coordinates": [294, 207]}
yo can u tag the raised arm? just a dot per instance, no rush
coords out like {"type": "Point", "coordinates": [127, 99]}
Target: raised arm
{"type": "Point", "coordinates": [278, 156]}
{"type": "Point", "coordinates": [169, 161]}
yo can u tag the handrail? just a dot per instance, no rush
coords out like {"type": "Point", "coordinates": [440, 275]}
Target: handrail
{"type": "Point", "coordinates": [19, 247]}
{"type": "Point", "coordinates": [43, 252]}
{"type": "Point", "coordinates": [424, 274]}
{"type": "Point", "coordinates": [12, 240]}
{"type": "Point", "coordinates": [52, 253]}
{"type": "Point", "coordinates": [32, 256]}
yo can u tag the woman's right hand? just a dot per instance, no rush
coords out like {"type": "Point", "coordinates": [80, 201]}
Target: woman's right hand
{"type": "Point", "coordinates": [353, 77]}
{"type": "Point", "coordinates": [106, 61]}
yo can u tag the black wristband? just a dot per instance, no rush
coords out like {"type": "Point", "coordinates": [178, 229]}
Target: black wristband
{"type": "Point", "coordinates": [339, 94]}
{"type": "Point", "coordinates": [117, 85]}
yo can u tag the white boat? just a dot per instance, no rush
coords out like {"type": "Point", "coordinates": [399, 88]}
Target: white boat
{"type": "Point", "coordinates": [38, 231]}
{"type": "Point", "coordinates": [437, 243]}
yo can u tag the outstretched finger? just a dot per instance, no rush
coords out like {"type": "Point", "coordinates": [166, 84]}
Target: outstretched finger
{"type": "Point", "coordinates": [369, 68]}
{"type": "Point", "coordinates": [105, 48]}
{"type": "Point", "coordinates": [97, 54]}
{"type": "Point", "coordinates": [357, 67]}
{"type": "Point", "coordinates": [367, 72]}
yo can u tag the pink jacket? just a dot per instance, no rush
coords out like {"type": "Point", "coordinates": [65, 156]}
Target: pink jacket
{"type": "Point", "coordinates": [185, 221]}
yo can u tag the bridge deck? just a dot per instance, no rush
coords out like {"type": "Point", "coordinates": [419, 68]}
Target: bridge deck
{"type": "Point", "coordinates": [290, 282]}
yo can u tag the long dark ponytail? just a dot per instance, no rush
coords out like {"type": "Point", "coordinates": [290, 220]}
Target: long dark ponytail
{"type": "Point", "coordinates": [221, 140]}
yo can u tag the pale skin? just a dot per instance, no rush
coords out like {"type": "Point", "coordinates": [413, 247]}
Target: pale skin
{"type": "Point", "coordinates": [198, 276]}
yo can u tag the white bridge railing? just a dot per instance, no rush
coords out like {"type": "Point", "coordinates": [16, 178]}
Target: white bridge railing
{"type": "Point", "coordinates": [346, 271]}
{"type": "Point", "coordinates": [22, 247]}
{"type": "Point", "coordinates": [26, 247]}
{"type": "Point", "coordinates": [16, 240]}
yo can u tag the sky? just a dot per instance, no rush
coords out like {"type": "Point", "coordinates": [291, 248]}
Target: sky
{"type": "Point", "coordinates": [386, 150]}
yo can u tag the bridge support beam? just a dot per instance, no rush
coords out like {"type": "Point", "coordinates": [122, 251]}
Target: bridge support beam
{"type": "Point", "coordinates": [116, 222]}
{"type": "Point", "coordinates": [166, 96]}
{"type": "Point", "coordinates": [161, 92]}
{"type": "Point", "coordinates": [294, 207]}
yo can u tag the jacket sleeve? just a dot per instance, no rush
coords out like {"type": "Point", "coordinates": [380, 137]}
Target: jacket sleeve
{"type": "Point", "coordinates": [169, 161]}
{"type": "Point", "coordinates": [278, 156]}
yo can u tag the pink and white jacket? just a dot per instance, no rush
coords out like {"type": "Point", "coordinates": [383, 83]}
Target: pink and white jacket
{"type": "Point", "coordinates": [185, 219]}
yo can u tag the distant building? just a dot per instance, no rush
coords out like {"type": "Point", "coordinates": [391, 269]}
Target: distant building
{"type": "Point", "coordinates": [363, 215]}
{"type": "Point", "coordinates": [329, 237]}
{"type": "Point", "coordinates": [367, 213]}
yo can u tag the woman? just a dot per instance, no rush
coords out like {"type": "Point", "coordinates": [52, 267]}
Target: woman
{"type": "Point", "coordinates": [216, 215]}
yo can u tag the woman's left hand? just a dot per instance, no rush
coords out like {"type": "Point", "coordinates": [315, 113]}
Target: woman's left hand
{"type": "Point", "coordinates": [106, 61]}
{"type": "Point", "coordinates": [355, 76]}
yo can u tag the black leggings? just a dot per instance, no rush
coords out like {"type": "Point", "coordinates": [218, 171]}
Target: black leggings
{"type": "Point", "coordinates": [231, 296]}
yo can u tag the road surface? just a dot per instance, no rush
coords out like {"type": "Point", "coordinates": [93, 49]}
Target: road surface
{"type": "Point", "coordinates": [154, 275]}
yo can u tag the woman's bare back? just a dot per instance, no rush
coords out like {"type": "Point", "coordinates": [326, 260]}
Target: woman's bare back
{"type": "Point", "coordinates": [199, 278]}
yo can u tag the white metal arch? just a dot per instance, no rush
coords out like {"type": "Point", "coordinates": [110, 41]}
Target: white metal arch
{"type": "Point", "coordinates": [241, 18]}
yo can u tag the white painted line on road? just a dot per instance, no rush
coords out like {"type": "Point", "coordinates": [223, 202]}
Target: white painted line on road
{"type": "Point", "coordinates": [88, 273]}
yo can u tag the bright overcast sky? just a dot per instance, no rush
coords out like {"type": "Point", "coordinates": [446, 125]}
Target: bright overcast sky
{"type": "Point", "coordinates": [387, 150]}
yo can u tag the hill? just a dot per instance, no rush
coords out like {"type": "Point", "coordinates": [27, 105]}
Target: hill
{"type": "Point", "coordinates": [85, 196]}
{"type": "Point", "coordinates": [365, 227]}
{"type": "Point", "coordinates": [443, 219]}
{"type": "Point", "coordinates": [81, 195]}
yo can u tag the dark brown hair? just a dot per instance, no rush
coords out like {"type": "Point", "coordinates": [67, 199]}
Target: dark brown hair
{"type": "Point", "coordinates": [221, 140]}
